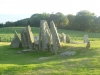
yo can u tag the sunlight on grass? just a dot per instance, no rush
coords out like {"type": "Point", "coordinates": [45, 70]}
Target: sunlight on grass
{"type": "Point", "coordinates": [84, 62]}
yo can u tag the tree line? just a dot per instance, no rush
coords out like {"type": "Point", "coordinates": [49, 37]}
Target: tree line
{"type": "Point", "coordinates": [82, 21]}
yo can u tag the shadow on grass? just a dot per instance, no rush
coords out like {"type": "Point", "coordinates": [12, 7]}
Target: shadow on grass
{"type": "Point", "coordinates": [9, 56]}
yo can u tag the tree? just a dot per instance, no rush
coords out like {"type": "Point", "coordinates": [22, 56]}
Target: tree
{"type": "Point", "coordinates": [71, 19]}
{"type": "Point", "coordinates": [1, 25]}
{"type": "Point", "coordinates": [35, 19]}
{"type": "Point", "coordinates": [8, 24]}
{"type": "Point", "coordinates": [84, 20]}
{"type": "Point", "coordinates": [97, 25]}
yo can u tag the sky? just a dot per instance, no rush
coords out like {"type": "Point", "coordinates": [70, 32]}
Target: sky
{"type": "Point", "coordinates": [13, 10]}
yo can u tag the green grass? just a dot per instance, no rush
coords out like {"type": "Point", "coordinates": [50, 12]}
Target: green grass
{"type": "Point", "coordinates": [84, 62]}
{"type": "Point", "coordinates": [8, 32]}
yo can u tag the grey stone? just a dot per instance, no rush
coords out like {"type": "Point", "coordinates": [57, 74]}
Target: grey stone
{"type": "Point", "coordinates": [88, 45]}
{"type": "Point", "coordinates": [85, 38]}
{"type": "Point", "coordinates": [30, 37]}
{"type": "Point", "coordinates": [27, 38]}
{"type": "Point", "coordinates": [55, 37]}
{"type": "Point", "coordinates": [15, 43]}
{"type": "Point", "coordinates": [67, 39]}
{"type": "Point", "coordinates": [25, 51]}
{"type": "Point", "coordinates": [24, 38]}
{"type": "Point", "coordinates": [60, 37]}
{"type": "Point", "coordinates": [63, 38]}
{"type": "Point", "coordinates": [44, 36]}
{"type": "Point", "coordinates": [67, 53]}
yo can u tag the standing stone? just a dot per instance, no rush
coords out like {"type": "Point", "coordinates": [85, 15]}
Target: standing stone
{"type": "Point", "coordinates": [24, 38]}
{"type": "Point", "coordinates": [15, 43]}
{"type": "Point", "coordinates": [44, 36]}
{"type": "Point", "coordinates": [30, 37]}
{"type": "Point", "coordinates": [67, 39]}
{"type": "Point", "coordinates": [86, 38]}
{"type": "Point", "coordinates": [63, 38]}
{"type": "Point", "coordinates": [60, 37]}
{"type": "Point", "coordinates": [27, 38]}
{"type": "Point", "coordinates": [55, 37]}
{"type": "Point", "coordinates": [88, 45]}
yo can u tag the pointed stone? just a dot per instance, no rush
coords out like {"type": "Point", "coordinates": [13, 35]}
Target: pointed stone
{"type": "Point", "coordinates": [30, 37]}
{"type": "Point", "coordinates": [27, 38]}
{"type": "Point", "coordinates": [15, 43]}
{"type": "Point", "coordinates": [55, 37]}
{"type": "Point", "coordinates": [44, 36]}
{"type": "Point", "coordinates": [24, 38]}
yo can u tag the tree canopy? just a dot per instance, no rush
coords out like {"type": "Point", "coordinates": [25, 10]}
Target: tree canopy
{"type": "Point", "coordinates": [83, 21]}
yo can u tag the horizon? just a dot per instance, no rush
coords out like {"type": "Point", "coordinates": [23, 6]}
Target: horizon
{"type": "Point", "coordinates": [13, 10]}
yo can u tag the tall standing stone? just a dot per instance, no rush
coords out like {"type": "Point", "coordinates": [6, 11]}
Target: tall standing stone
{"type": "Point", "coordinates": [85, 38]}
{"type": "Point", "coordinates": [67, 39]}
{"type": "Point", "coordinates": [24, 38]}
{"type": "Point", "coordinates": [44, 36]}
{"type": "Point", "coordinates": [27, 38]}
{"type": "Point", "coordinates": [55, 37]}
{"type": "Point", "coordinates": [30, 37]}
{"type": "Point", "coordinates": [15, 43]}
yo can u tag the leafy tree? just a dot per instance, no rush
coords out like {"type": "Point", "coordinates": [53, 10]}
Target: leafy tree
{"type": "Point", "coordinates": [35, 19]}
{"type": "Point", "coordinates": [1, 25]}
{"type": "Point", "coordinates": [84, 20]}
{"type": "Point", "coordinates": [97, 25]}
{"type": "Point", "coordinates": [8, 24]}
{"type": "Point", "coordinates": [71, 19]}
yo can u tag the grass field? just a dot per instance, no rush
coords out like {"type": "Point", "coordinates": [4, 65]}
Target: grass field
{"type": "Point", "coordinates": [8, 32]}
{"type": "Point", "coordinates": [84, 62]}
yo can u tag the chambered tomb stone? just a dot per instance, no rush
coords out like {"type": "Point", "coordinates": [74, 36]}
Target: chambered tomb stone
{"type": "Point", "coordinates": [55, 37]}
{"type": "Point", "coordinates": [44, 36]}
{"type": "Point", "coordinates": [24, 38]}
{"type": "Point", "coordinates": [27, 38]}
{"type": "Point", "coordinates": [30, 37]}
{"type": "Point", "coordinates": [15, 43]}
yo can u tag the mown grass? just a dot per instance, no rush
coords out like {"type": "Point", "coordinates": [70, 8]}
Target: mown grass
{"type": "Point", "coordinates": [84, 62]}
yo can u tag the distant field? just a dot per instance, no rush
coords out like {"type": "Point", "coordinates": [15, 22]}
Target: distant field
{"type": "Point", "coordinates": [84, 62]}
{"type": "Point", "coordinates": [8, 32]}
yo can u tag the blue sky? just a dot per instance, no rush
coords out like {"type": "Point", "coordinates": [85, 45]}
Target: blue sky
{"type": "Point", "coordinates": [13, 10]}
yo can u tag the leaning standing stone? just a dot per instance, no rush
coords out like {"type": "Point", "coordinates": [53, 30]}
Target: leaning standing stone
{"type": "Point", "coordinates": [15, 43]}
{"type": "Point", "coordinates": [30, 37]}
{"type": "Point", "coordinates": [55, 37]}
